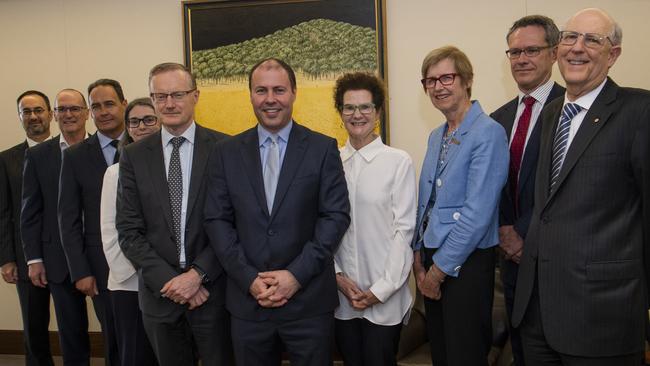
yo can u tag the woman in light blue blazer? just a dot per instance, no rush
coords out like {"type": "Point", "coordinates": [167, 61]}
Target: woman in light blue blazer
{"type": "Point", "coordinates": [464, 170]}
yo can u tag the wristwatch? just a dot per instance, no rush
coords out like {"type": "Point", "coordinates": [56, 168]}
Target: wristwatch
{"type": "Point", "coordinates": [202, 275]}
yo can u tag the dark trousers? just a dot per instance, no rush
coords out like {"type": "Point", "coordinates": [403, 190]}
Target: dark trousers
{"type": "Point", "coordinates": [102, 306]}
{"type": "Point", "coordinates": [72, 319]}
{"type": "Point", "coordinates": [132, 342]}
{"type": "Point", "coordinates": [459, 325]}
{"type": "Point", "coordinates": [509, 271]}
{"type": "Point", "coordinates": [35, 311]}
{"type": "Point", "coordinates": [307, 341]}
{"type": "Point", "coordinates": [537, 351]}
{"type": "Point", "coordinates": [363, 343]}
{"type": "Point", "coordinates": [205, 330]}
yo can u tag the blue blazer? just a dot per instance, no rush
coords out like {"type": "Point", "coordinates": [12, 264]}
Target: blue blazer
{"type": "Point", "coordinates": [465, 215]}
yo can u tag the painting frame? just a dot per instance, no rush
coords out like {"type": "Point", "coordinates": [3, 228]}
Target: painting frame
{"type": "Point", "coordinates": [197, 13]}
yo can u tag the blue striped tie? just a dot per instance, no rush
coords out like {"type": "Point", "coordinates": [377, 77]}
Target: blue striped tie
{"type": "Point", "coordinates": [561, 140]}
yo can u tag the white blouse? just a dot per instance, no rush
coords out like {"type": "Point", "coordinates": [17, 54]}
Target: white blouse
{"type": "Point", "coordinates": [122, 275]}
{"type": "Point", "coordinates": [375, 252]}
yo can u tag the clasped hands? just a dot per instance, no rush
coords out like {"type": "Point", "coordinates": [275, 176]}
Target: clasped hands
{"type": "Point", "coordinates": [359, 300]}
{"type": "Point", "coordinates": [273, 289]}
{"type": "Point", "coordinates": [186, 288]}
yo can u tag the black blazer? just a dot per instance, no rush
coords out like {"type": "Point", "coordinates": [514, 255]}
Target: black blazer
{"type": "Point", "coordinates": [11, 176]}
{"type": "Point", "coordinates": [309, 217]}
{"type": "Point", "coordinates": [505, 115]}
{"type": "Point", "coordinates": [80, 189]}
{"type": "Point", "coordinates": [144, 222]}
{"type": "Point", "coordinates": [588, 238]}
{"type": "Point", "coordinates": [38, 219]}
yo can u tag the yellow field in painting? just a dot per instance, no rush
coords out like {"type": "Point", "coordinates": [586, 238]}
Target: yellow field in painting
{"type": "Point", "coordinates": [228, 109]}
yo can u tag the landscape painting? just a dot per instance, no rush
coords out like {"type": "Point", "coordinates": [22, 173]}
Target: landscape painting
{"type": "Point", "coordinates": [320, 39]}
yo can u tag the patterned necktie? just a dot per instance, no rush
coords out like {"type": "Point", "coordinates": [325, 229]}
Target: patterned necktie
{"type": "Point", "coordinates": [175, 187]}
{"type": "Point", "coordinates": [116, 157]}
{"type": "Point", "coordinates": [271, 170]}
{"type": "Point", "coordinates": [561, 140]}
{"type": "Point", "coordinates": [517, 148]}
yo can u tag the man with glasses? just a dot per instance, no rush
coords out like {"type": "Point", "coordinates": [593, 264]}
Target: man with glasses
{"type": "Point", "coordinates": [40, 230]}
{"type": "Point", "coordinates": [582, 290]}
{"type": "Point", "coordinates": [532, 51]}
{"type": "Point", "coordinates": [161, 192]}
{"type": "Point", "coordinates": [82, 175]}
{"type": "Point", "coordinates": [35, 114]}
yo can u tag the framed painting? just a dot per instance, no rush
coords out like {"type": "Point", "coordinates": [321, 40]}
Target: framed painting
{"type": "Point", "coordinates": [320, 39]}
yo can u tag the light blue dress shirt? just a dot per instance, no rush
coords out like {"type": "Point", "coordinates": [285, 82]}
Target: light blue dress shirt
{"type": "Point", "coordinates": [265, 139]}
{"type": "Point", "coordinates": [107, 149]}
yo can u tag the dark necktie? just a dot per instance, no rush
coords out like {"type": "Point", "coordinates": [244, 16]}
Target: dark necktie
{"type": "Point", "coordinates": [116, 157]}
{"type": "Point", "coordinates": [561, 140]}
{"type": "Point", "coordinates": [175, 187]}
{"type": "Point", "coordinates": [517, 148]}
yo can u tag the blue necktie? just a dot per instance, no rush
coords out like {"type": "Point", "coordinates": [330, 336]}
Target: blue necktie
{"type": "Point", "coordinates": [271, 171]}
{"type": "Point", "coordinates": [561, 140]}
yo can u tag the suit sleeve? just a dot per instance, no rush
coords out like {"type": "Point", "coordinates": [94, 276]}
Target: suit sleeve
{"type": "Point", "coordinates": [333, 220]}
{"type": "Point", "coordinates": [131, 230]}
{"type": "Point", "coordinates": [488, 171]}
{"type": "Point", "coordinates": [31, 214]}
{"type": "Point", "coordinates": [70, 217]}
{"type": "Point", "coordinates": [220, 225]}
{"type": "Point", "coordinates": [7, 253]}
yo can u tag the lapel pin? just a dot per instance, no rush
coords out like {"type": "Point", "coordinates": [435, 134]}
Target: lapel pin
{"type": "Point", "coordinates": [454, 141]}
{"type": "Point", "coordinates": [596, 120]}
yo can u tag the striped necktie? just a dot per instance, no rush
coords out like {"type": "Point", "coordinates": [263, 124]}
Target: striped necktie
{"type": "Point", "coordinates": [561, 140]}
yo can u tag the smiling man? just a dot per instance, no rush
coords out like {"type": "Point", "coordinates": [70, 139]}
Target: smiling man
{"type": "Point", "coordinates": [276, 210]}
{"type": "Point", "coordinates": [532, 51]}
{"type": "Point", "coordinates": [582, 290]}
{"type": "Point", "coordinates": [80, 187]}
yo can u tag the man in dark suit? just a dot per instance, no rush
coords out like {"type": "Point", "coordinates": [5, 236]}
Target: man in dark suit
{"type": "Point", "coordinates": [35, 115]}
{"type": "Point", "coordinates": [532, 51]}
{"type": "Point", "coordinates": [276, 210]}
{"type": "Point", "coordinates": [80, 187]}
{"type": "Point", "coordinates": [582, 290]}
{"type": "Point", "coordinates": [40, 229]}
{"type": "Point", "coordinates": [161, 193]}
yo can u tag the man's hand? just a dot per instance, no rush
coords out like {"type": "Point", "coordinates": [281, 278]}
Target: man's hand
{"type": "Point", "coordinates": [87, 285]}
{"type": "Point", "coordinates": [285, 283]}
{"type": "Point", "coordinates": [430, 286]}
{"type": "Point", "coordinates": [10, 272]}
{"type": "Point", "coordinates": [36, 273]}
{"type": "Point", "coordinates": [364, 300]}
{"type": "Point", "coordinates": [510, 242]}
{"type": "Point", "coordinates": [183, 287]}
{"type": "Point", "coordinates": [199, 298]}
{"type": "Point", "coordinates": [349, 289]}
{"type": "Point", "coordinates": [262, 289]}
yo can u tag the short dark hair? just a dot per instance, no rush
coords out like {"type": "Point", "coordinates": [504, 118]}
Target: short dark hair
{"type": "Point", "coordinates": [172, 66]}
{"type": "Point", "coordinates": [127, 139]}
{"type": "Point", "coordinates": [108, 82]}
{"type": "Point", "coordinates": [359, 81]}
{"type": "Point", "coordinates": [282, 64]}
{"type": "Point", "coordinates": [552, 33]}
{"type": "Point", "coordinates": [34, 92]}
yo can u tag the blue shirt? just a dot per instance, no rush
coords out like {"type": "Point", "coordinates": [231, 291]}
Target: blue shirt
{"type": "Point", "coordinates": [107, 149]}
{"type": "Point", "coordinates": [264, 138]}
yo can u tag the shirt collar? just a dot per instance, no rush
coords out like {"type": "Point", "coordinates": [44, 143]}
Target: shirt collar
{"type": "Point", "coordinates": [105, 140]}
{"type": "Point", "coordinates": [64, 144]}
{"type": "Point", "coordinates": [263, 134]}
{"type": "Point", "coordinates": [32, 143]}
{"type": "Point", "coordinates": [188, 134]}
{"type": "Point", "coordinates": [367, 152]}
{"type": "Point", "coordinates": [541, 93]}
{"type": "Point", "coordinates": [588, 99]}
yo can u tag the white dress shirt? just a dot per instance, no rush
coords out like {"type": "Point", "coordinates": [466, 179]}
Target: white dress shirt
{"type": "Point", "coordinates": [375, 252]}
{"type": "Point", "coordinates": [585, 102]}
{"type": "Point", "coordinates": [541, 95]}
{"type": "Point", "coordinates": [121, 275]}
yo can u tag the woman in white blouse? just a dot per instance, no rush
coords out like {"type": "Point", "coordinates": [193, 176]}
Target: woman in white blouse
{"type": "Point", "coordinates": [133, 345]}
{"type": "Point", "coordinates": [374, 259]}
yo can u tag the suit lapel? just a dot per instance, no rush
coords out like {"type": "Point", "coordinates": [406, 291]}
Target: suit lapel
{"type": "Point", "coordinates": [250, 154]}
{"type": "Point", "coordinates": [156, 163]}
{"type": "Point", "coordinates": [95, 154]}
{"type": "Point", "coordinates": [199, 161]}
{"type": "Point", "coordinates": [509, 114]}
{"type": "Point", "coordinates": [293, 156]}
{"type": "Point", "coordinates": [456, 143]}
{"type": "Point", "coordinates": [55, 157]}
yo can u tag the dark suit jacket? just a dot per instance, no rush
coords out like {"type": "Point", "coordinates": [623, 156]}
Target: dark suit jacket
{"type": "Point", "coordinates": [309, 217]}
{"type": "Point", "coordinates": [505, 115]}
{"type": "Point", "coordinates": [38, 220]}
{"type": "Point", "coordinates": [144, 222]}
{"type": "Point", "coordinates": [587, 238]}
{"type": "Point", "coordinates": [11, 177]}
{"type": "Point", "coordinates": [80, 189]}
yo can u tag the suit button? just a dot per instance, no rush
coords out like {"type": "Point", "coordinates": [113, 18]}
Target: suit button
{"type": "Point", "coordinates": [439, 182]}
{"type": "Point", "coordinates": [545, 220]}
{"type": "Point", "coordinates": [456, 216]}
{"type": "Point", "coordinates": [271, 232]}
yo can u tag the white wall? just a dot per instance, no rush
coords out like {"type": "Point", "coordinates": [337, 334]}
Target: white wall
{"type": "Point", "coordinates": [52, 44]}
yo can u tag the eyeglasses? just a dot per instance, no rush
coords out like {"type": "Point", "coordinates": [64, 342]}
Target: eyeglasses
{"type": "Point", "coordinates": [134, 122]}
{"type": "Point", "coordinates": [177, 95]}
{"type": "Point", "coordinates": [349, 109]}
{"type": "Point", "coordinates": [514, 53]}
{"type": "Point", "coordinates": [444, 79]}
{"type": "Point", "coordinates": [28, 112]}
{"type": "Point", "coordinates": [591, 40]}
{"type": "Point", "coordinates": [73, 109]}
